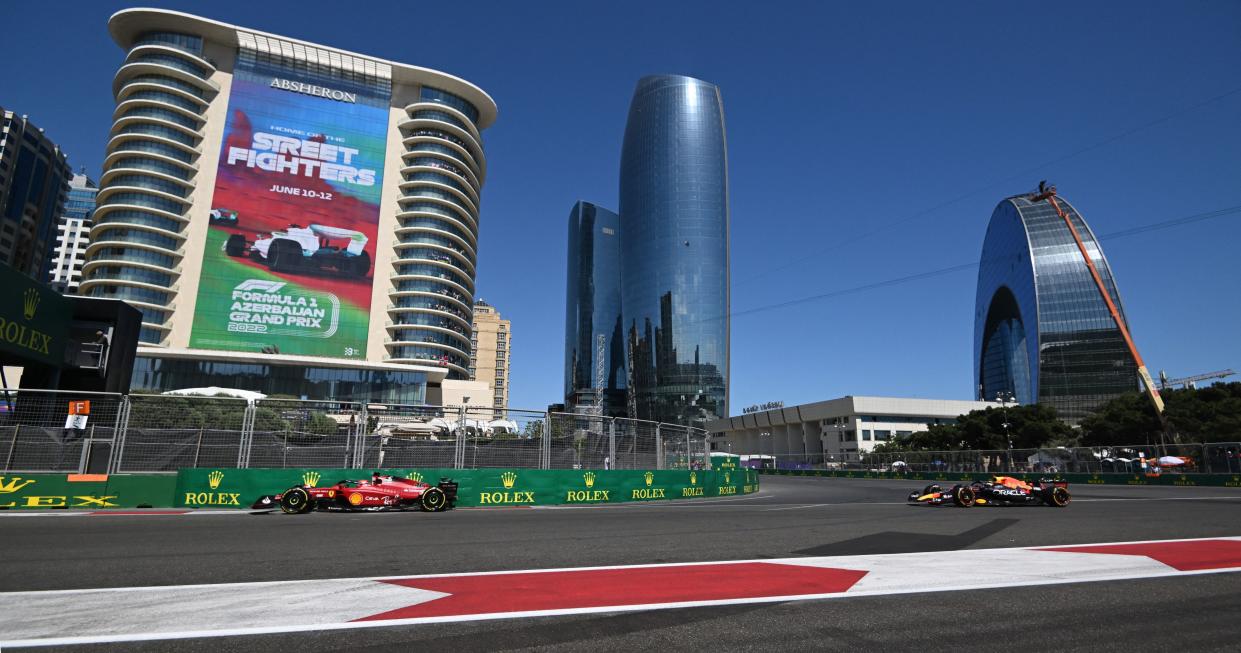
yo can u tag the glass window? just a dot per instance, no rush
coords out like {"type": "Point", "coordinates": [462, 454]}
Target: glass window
{"type": "Point", "coordinates": [430, 94]}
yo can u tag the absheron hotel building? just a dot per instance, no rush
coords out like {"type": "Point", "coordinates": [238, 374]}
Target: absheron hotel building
{"type": "Point", "coordinates": [289, 217]}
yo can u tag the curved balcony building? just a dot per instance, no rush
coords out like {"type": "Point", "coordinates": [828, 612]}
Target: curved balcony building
{"type": "Point", "coordinates": [264, 196]}
{"type": "Point", "coordinates": [674, 248]}
{"type": "Point", "coordinates": [1042, 333]}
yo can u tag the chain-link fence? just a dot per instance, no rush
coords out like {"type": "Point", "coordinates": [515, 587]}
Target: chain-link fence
{"type": "Point", "coordinates": [43, 431]}
{"type": "Point", "coordinates": [1181, 458]}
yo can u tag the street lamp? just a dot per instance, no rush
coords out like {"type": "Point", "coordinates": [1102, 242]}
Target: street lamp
{"type": "Point", "coordinates": [1004, 398]}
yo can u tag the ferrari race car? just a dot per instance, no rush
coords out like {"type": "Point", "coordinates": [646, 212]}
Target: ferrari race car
{"type": "Point", "coordinates": [999, 491]}
{"type": "Point", "coordinates": [378, 494]}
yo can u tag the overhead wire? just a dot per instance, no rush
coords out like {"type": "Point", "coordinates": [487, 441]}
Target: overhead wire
{"type": "Point", "coordinates": [1115, 235]}
{"type": "Point", "coordinates": [1014, 176]}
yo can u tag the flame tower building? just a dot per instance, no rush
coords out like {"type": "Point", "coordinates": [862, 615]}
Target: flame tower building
{"type": "Point", "coordinates": [1042, 332]}
{"type": "Point", "coordinates": [289, 217]}
{"type": "Point", "coordinates": [674, 251]}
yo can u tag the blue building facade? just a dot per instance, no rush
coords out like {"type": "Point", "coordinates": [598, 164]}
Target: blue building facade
{"type": "Point", "coordinates": [1042, 333]}
{"type": "Point", "coordinates": [594, 333]}
{"type": "Point", "coordinates": [675, 251]}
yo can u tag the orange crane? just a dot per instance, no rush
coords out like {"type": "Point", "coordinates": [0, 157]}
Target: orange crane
{"type": "Point", "coordinates": [1048, 193]}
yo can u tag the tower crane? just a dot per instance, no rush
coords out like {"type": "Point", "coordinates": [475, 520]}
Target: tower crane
{"type": "Point", "coordinates": [1190, 381]}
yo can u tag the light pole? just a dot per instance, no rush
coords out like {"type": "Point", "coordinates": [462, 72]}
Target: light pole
{"type": "Point", "coordinates": [1004, 398]}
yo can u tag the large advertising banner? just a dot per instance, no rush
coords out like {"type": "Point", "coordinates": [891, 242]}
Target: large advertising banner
{"type": "Point", "coordinates": [292, 235]}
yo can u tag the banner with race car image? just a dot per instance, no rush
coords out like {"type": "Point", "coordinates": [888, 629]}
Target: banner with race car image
{"type": "Point", "coordinates": [288, 263]}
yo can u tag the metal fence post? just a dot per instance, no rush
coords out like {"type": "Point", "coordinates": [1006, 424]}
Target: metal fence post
{"type": "Point", "coordinates": [688, 451]}
{"type": "Point", "coordinates": [8, 460]}
{"type": "Point", "coordinates": [459, 453]}
{"type": "Point", "coordinates": [118, 435]}
{"type": "Point", "coordinates": [246, 439]}
{"type": "Point", "coordinates": [363, 431]}
{"type": "Point", "coordinates": [612, 444]}
{"type": "Point", "coordinates": [659, 448]}
{"type": "Point", "coordinates": [547, 442]}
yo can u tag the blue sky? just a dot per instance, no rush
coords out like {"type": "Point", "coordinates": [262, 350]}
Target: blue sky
{"type": "Point", "coordinates": [867, 142]}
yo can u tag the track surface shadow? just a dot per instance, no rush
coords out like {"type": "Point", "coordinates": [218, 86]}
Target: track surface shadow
{"type": "Point", "coordinates": [898, 542]}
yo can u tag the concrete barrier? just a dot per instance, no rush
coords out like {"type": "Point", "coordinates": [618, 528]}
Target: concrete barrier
{"type": "Point", "coordinates": [1184, 480]}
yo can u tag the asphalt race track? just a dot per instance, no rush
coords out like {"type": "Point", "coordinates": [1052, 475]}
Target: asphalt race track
{"type": "Point", "coordinates": [790, 518]}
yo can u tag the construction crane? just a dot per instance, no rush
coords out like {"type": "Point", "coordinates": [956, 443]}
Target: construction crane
{"type": "Point", "coordinates": [1190, 381]}
{"type": "Point", "coordinates": [1048, 193]}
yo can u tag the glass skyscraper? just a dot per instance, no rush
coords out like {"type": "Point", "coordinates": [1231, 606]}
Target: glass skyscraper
{"type": "Point", "coordinates": [674, 248]}
{"type": "Point", "coordinates": [594, 350]}
{"type": "Point", "coordinates": [1042, 332]}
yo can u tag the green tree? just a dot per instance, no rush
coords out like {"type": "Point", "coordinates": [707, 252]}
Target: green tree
{"type": "Point", "coordinates": [1209, 414]}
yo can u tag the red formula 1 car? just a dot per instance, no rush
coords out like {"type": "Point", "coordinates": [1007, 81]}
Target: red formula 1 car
{"type": "Point", "coordinates": [378, 494]}
{"type": "Point", "coordinates": [999, 491]}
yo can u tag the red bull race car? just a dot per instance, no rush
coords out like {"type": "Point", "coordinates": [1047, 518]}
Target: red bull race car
{"type": "Point", "coordinates": [380, 493]}
{"type": "Point", "coordinates": [999, 491]}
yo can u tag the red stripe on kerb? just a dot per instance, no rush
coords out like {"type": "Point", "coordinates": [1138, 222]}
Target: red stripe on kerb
{"type": "Point", "coordinates": [1182, 556]}
{"type": "Point", "coordinates": [617, 587]}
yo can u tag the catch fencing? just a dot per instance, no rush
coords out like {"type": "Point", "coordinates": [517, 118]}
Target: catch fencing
{"type": "Point", "coordinates": [1178, 458]}
{"type": "Point", "coordinates": [84, 432]}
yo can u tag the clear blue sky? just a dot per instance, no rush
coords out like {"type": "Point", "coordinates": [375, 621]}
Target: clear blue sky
{"type": "Point", "coordinates": [847, 123]}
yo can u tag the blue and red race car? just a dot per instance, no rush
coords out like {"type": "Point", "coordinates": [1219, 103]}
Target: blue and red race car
{"type": "Point", "coordinates": [999, 491]}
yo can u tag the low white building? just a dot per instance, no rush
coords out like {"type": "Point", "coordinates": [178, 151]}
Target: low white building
{"type": "Point", "coordinates": [833, 429]}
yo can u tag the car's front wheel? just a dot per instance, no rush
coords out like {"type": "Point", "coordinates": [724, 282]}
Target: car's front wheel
{"type": "Point", "coordinates": [295, 501]}
{"type": "Point", "coordinates": [434, 500]}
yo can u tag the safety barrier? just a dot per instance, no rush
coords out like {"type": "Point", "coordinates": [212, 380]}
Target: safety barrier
{"type": "Point", "coordinates": [1182, 480]}
{"type": "Point", "coordinates": [240, 488]}
{"type": "Point", "coordinates": [85, 491]}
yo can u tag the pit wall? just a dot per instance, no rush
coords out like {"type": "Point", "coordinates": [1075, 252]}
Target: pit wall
{"type": "Point", "coordinates": [239, 488]}
{"type": "Point", "coordinates": [1184, 480]}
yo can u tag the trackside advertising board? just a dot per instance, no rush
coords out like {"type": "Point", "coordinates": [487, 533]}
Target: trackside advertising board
{"type": "Point", "coordinates": [292, 235]}
{"type": "Point", "coordinates": [239, 488]}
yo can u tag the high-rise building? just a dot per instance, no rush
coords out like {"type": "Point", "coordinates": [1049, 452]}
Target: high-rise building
{"type": "Point", "coordinates": [73, 234]}
{"type": "Point", "coordinates": [492, 348]}
{"type": "Point", "coordinates": [674, 244]}
{"type": "Point", "coordinates": [34, 178]}
{"type": "Point", "coordinates": [289, 217]}
{"type": "Point", "coordinates": [594, 350]}
{"type": "Point", "coordinates": [1042, 332]}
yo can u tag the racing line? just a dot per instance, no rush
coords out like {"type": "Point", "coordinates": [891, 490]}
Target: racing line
{"type": "Point", "coordinates": [60, 617]}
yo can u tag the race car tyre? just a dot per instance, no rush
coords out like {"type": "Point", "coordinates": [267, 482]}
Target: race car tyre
{"type": "Point", "coordinates": [236, 245]}
{"type": "Point", "coordinates": [963, 495]}
{"type": "Point", "coordinates": [359, 265]}
{"type": "Point", "coordinates": [1059, 497]}
{"type": "Point", "coordinates": [280, 256]}
{"type": "Point", "coordinates": [295, 501]}
{"type": "Point", "coordinates": [434, 500]}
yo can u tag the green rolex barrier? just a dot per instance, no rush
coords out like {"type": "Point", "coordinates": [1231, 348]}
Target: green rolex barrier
{"type": "Point", "coordinates": [85, 491]}
{"type": "Point", "coordinates": [1182, 480]}
{"type": "Point", "coordinates": [239, 488]}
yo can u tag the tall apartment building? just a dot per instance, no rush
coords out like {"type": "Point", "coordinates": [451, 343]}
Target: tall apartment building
{"type": "Point", "coordinates": [34, 178]}
{"type": "Point", "coordinates": [493, 347]}
{"type": "Point", "coordinates": [289, 217]}
{"type": "Point", "coordinates": [73, 234]}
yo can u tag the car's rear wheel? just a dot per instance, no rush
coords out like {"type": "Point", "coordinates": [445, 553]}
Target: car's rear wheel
{"type": "Point", "coordinates": [295, 501]}
{"type": "Point", "coordinates": [1058, 497]}
{"type": "Point", "coordinates": [963, 495]}
{"type": "Point", "coordinates": [434, 500]}
{"type": "Point", "coordinates": [359, 265]}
